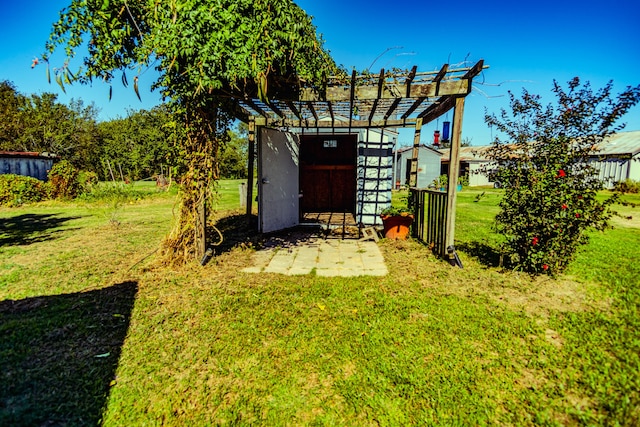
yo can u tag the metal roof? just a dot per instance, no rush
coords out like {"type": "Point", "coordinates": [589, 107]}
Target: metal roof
{"type": "Point", "coordinates": [621, 143]}
{"type": "Point", "coordinates": [421, 146]}
{"type": "Point", "coordinates": [468, 154]}
{"type": "Point", "coordinates": [27, 154]}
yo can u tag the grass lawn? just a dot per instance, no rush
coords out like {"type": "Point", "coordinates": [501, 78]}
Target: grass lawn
{"type": "Point", "coordinates": [92, 331]}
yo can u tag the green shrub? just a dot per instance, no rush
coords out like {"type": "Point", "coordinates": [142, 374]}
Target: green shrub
{"type": "Point", "coordinates": [627, 186]}
{"type": "Point", "coordinates": [63, 178]}
{"type": "Point", "coordinates": [16, 190]}
{"type": "Point", "coordinates": [550, 189]}
{"type": "Point", "coordinates": [463, 180]}
{"type": "Point", "coordinates": [87, 181]}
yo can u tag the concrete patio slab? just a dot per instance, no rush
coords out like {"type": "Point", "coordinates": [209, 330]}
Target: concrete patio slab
{"type": "Point", "coordinates": [300, 253]}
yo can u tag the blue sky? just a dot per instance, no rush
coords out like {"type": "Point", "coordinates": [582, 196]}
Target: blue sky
{"type": "Point", "coordinates": [525, 43]}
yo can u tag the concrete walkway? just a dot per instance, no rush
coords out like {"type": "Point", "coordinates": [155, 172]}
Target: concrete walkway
{"type": "Point", "coordinates": [300, 253]}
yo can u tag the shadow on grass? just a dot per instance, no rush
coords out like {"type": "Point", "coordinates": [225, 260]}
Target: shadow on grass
{"type": "Point", "coordinates": [30, 228]}
{"type": "Point", "coordinates": [59, 354]}
{"type": "Point", "coordinates": [484, 253]}
{"type": "Point", "coordinates": [237, 229]}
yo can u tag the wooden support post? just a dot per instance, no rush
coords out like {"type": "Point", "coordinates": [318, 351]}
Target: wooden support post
{"type": "Point", "coordinates": [250, 166]}
{"type": "Point", "coordinates": [413, 177]}
{"type": "Point", "coordinates": [454, 169]}
{"type": "Point", "coordinates": [201, 227]}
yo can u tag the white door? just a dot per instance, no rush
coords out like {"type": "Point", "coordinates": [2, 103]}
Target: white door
{"type": "Point", "coordinates": [278, 186]}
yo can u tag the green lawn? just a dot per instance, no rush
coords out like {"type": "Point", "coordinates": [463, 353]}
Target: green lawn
{"type": "Point", "coordinates": [92, 331]}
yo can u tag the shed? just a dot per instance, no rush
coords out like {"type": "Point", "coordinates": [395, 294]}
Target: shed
{"type": "Point", "coordinates": [472, 161]}
{"type": "Point", "coordinates": [307, 138]}
{"type": "Point", "coordinates": [26, 163]}
{"type": "Point", "coordinates": [325, 151]}
{"type": "Point", "coordinates": [428, 166]}
{"type": "Point", "coordinates": [618, 158]}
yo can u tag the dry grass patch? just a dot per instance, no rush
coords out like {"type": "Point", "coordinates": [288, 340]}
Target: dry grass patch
{"type": "Point", "coordinates": [413, 262]}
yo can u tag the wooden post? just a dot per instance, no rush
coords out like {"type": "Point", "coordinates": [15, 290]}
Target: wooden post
{"type": "Point", "coordinates": [413, 177]}
{"type": "Point", "coordinates": [201, 228]}
{"type": "Point", "coordinates": [252, 150]}
{"type": "Point", "coordinates": [454, 168]}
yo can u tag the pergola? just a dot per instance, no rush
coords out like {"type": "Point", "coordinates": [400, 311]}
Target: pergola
{"type": "Point", "coordinates": [406, 99]}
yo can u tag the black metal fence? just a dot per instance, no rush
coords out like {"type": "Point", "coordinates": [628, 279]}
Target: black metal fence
{"type": "Point", "coordinates": [429, 226]}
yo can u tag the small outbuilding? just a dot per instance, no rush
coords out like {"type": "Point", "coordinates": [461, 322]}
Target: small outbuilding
{"type": "Point", "coordinates": [428, 166]}
{"type": "Point", "coordinates": [618, 158]}
{"type": "Point", "coordinates": [472, 162]}
{"type": "Point", "coordinates": [328, 152]}
{"type": "Point", "coordinates": [26, 163]}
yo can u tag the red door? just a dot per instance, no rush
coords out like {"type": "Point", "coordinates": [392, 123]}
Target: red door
{"type": "Point", "coordinates": [328, 173]}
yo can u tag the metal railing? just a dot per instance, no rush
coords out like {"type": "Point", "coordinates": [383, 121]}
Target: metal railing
{"type": "Point", "coordinates": [429, 226]}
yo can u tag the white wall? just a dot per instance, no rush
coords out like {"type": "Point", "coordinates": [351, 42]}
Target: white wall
{"type": "Point", "coordinates": [476, 178]}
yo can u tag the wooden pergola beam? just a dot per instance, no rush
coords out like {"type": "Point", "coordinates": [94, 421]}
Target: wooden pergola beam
{"type": "Point", "coordinates": [330, 107]}
{"type": "Point", "coordinates": [375, 101]}
{"type": "Point", "coordinates": [293, 109]}
{"type": "Point", "coordinates": [438, 108]}
{"type": "Point", "coordinates": [313, 110]}
{"type": "Point", "coordinates": [351, 96]}
{"type": "Point", "coordinates": [255, 107]}
{"type": "Point", "coordinates": [250, 166]}
{"type": "Point", "coordinates": [443, 72]}
{"type": "Point", "coordinates": [311, 124]}
{"type": "Point", "coordinates": [413, 176]}
{"type": "Point", "coordinates": [275, 109]}
{"type": "Point", "coordinates": [392, 108]}
{"type": "Point", "coordinates": [454, 170]}
{"type": "Point", "coordinates": [411, 109]}
{"type": "Point", "coordinates": [390, 91]}
{"type": "Point", "coordinates": [475, 70]}
{"type": "Point", "coordinates": [407, 82]}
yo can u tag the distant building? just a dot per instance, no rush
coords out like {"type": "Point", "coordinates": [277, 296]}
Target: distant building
{"type": "Point", "coordinates": [26, 163]}
{"type": "Point", "coordinates": [617, 159]}
{"type": "Point", "coordinates": [428, 166]}
{"type": "Point", "coordinates": [472, 159]}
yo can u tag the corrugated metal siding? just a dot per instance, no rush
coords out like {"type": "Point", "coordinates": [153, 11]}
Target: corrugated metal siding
{"type": "Point", "coordinates": [36, 167]}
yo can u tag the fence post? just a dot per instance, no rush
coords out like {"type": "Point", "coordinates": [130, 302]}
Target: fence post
{"type": "Point", "coordinates": [413, 178]}
{"type": "Point", "coordinates": [454, 167]}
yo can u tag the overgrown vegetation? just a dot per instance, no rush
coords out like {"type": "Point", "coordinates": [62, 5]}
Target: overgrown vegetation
{"type": "Point", "coordinates": [427, 344]}
{"type": "Point", "coordinates": [217, 49]}
{"type": "Point", "coordinates": [627, 186]}
{"type": "Point", "coordinates": [16, 190]}
{"type": "Point", "coordinates": [550, 188]}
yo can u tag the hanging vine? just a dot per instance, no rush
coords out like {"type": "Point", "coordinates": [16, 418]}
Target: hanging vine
{"type": "Point", "coordinates": [205, 53]}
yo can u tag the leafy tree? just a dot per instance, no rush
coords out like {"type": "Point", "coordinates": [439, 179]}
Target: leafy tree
{"type": "Point", "coordinates": [234, 155]}
{"type": "Point", "coordinates": [68, 131]}
{"type": "Point", "coordinates": [11, 103]}
{"type": "Point", "coordinates": [550, 188]}
{"type": "Point", "coordinates": [139, 144]}
{"type": "Point", "coordinates": [40, 123]}
{"type": "Point", "coordinates": [204, 51]}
